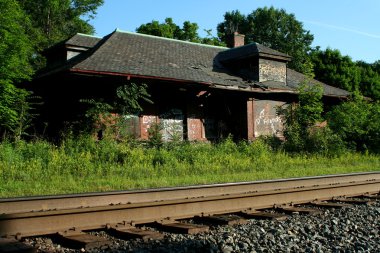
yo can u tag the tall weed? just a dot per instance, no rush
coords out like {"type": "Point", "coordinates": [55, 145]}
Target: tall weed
{"type": "Point", "coordinates": [84, 164]}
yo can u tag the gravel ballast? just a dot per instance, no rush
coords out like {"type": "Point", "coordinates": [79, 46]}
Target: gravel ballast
{"type": "Point", "coordinates": [352, 229]}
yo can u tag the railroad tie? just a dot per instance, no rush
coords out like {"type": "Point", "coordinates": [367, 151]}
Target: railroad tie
{"type": "Point", "coordinates": [371, 196]}
{"type": "Point", "coordinates": [330, 205]}
{"type": "Point", "coordinates": [130, 232]}
{"type": "Point", "coordinates": [228, 220]}
{"type": "Point", "coordinates": [13, 246]}
{"type": "Point", "coordinates": [183, 228]}
{"type": "Point", "coordinates": [80, 240]}
{"type": "Point", "coordinates": [354, 201]}
{"type": "Point", "coordinates": [264, 215]}
{"type": "Point", "coordinates": [299, 210]}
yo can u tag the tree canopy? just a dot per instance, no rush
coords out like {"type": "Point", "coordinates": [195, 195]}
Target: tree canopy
{"type": "Point", "coordinates": [357, 122]}
{"type": "Point", "coordinates": [331, 67]}
{"type": "Point", "coordinates": [26, 28]}
{"type": "Point", "coordinates": [15, 54]}
{"type": "Point", "coordinates": [15, 47]}
{"type": "Point", "coordinates": [56, 20]}
{"type": "Point", "coordinates": [273, 28]}
{"type": "Point", "coordinates": [168, 29]}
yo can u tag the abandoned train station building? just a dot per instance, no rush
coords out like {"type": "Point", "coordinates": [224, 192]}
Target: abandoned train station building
{"type": "Point", "coordinates": [200, 92]}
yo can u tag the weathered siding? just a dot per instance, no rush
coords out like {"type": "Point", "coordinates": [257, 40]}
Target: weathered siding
{"type": "Point", "coordinates": [146, 121]}
{"type": "Point", "coordinates": [172, 124]}
{"type": "Point", "coordinates": [250, 120]}
{"type": "Point", "coordinates": [266, 121]}
{"type": "Point", "coordinates": [270, 70]}
{"type": "Point", "coordinates": [72, 54]}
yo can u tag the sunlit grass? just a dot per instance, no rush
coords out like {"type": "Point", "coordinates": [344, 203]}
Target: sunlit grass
{"type": "Point", "coordinates": [83, 165]}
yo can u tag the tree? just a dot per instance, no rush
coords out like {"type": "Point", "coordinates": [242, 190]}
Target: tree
{"type": "Point", "coordinates": [234, 21]}
{"type": "Point", "coordinates": [27, 27]}
{"type": "Point", "coordinates": [369, 79]}
{"type": "Point", "coordinates": [332, 68]}
{"type": "Point", "coordinates": [15, 54]}
{"type": "Point", "coordinates": [15, 47]}
{"type": "Point", "coordinates": [168, 29]}
{"type": "Point", "coordinates": [273, 28]}
{"type": "Point", "coordinates": [298, 118]}
{"type": "Point", "coordinates": [111, 116]}
{"type": "Point", "coordinates": [301, 129]}
{"type": "Point", "coordinates": [57, 20]}
{"type": "Point", "coordinates": [357, 122]}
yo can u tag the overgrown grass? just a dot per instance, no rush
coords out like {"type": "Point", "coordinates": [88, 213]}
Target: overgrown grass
{"type": "Point", "coordinates": [83, 165]}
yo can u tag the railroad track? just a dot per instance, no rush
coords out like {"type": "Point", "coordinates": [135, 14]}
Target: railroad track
{"type": "Point", "coordinates": [122, 211]}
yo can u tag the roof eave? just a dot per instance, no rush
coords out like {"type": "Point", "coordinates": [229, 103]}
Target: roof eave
{"type": "Point", "coordinates": [129, 76]}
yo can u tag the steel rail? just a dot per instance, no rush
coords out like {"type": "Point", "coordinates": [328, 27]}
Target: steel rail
{"type": "Point", "coordinates": [46, 222]}
{"type": "Point", "coordinates": [59, 202]}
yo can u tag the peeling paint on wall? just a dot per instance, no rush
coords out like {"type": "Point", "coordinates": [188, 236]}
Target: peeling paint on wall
{"type": "Point", "coordinates": [194, 128]}
{"type": "Point", "coordinates": [172, 123]}
{"type": "Point", "coordinates": [272, 71]}
{"type": "Point", "coordinates": [266, 120]}
{"type": "Point", "coordinates": [146, 123]}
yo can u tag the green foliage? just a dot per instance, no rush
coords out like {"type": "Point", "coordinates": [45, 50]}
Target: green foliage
{"type": "Point", "coordinates": [16, 52]}
{"type": "Point", "coordinates": [15, 111]}
{"type": "Point", "coordinates": [15, 47]}
{"type": "Point", "coordinates": [234, 21]}
{"type": "Point", "coordinates": [8, 105]}
{"type": "Point", "coordinates": [112, 116]}
{"type": "Point", "coordinates": [96, 108]}
{"type": "Point", "coordinates": [332, 68]}
{"type": "Point", "coordinates": [309, 109]}
{"type": "Point", "coordinates": [300, 130]}
{"type": "Point", "coordinates": [56, 20]}
{"type": "Point", "coordinates": [370, 79]}
{"type": "Point", "coordinates": [357, 122]}
{"type": "Point", "coordinates": [311, 105]}
{"type": "Point", "coordinates": [129, 96]}
{"type": "Point", "coordinates": [27, 27]}
{"type": "Point", "coordinates": [85, 165]}
{"type": "Point", "coordinates": [273, 28]}
{"type": "Point", "coordinates": [168, 29]}
{"type": "Point", "coordinates": [52, 21]}
{"type": "Point", "coordinates": [155, 136]}
{"type": "Point", "coordinates": [325, 142]}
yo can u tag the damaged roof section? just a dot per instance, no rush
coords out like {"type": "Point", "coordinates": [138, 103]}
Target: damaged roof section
{"type": "Point", "coordinates": [151, 57]}
{"type": "Point", "coordinates": [83, 40]}
{"type": "Point", "coordinates": [250, 51]}
{"type": "Point", "coordinates": [62, 52]}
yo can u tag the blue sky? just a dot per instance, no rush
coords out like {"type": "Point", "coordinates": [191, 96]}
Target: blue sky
{"type": "Point", "coordinates": [352, 26]}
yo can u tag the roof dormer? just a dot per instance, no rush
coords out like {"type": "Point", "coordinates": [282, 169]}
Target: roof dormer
{"type": "Point", "coordinates": [255, 62]}
{"type": "Point", "coordinates": [62, 52]}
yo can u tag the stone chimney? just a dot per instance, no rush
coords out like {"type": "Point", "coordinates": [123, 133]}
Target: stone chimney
{"type": "Point", "coordinates": [235, 40]}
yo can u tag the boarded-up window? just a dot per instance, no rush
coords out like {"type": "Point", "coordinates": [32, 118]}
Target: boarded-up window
{"type": "Point", "coordinates": [211, 131]}
{"type": "Point", "coordinates": [266, 120]}
{"type": "Point", "coordinates": [130, 125]}
{"type": "Point", "coordinates": [172, 123]}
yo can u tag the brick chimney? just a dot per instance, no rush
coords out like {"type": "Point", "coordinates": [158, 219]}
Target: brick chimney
{"type": "Point", "coordinates": [235, 40]}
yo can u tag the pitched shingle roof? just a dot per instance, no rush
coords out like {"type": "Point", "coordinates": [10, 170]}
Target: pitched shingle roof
{"type": "Point", "coordinates": [125, 53]}
{"type": "Point", "coordinates": [83, 40]}
{"type": "Point", "coordinates": [294, 79]}
{"type": "Point", "coordinates": [253, 49]}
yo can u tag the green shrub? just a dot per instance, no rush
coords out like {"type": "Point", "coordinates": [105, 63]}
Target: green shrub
{"type": "Point", "coordinates": [155, 136]}
{"type": "Point", "coordinates": [357, 122]}
{"type": "Point", "coordinates": [87, 165]}
{"type": "Point", "coordinates": [325, 142]}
